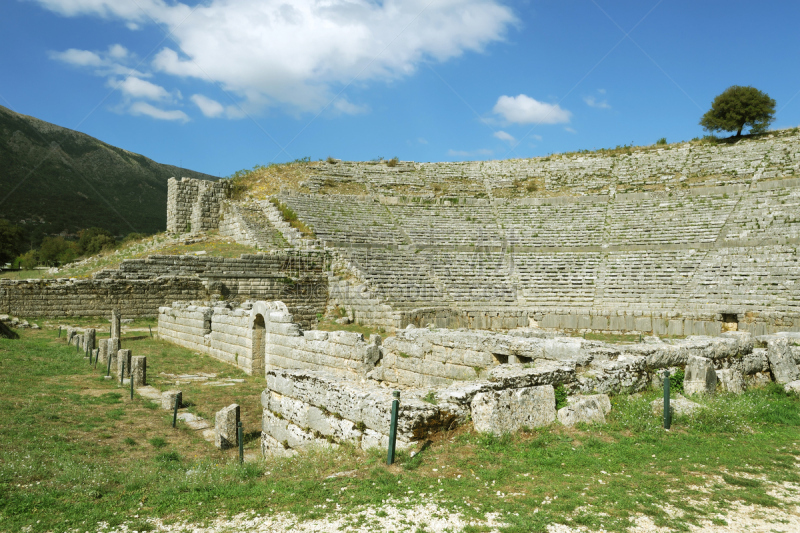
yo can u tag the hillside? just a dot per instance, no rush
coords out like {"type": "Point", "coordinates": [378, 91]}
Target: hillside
{"type": "Point", "coordinates": [72, 181]}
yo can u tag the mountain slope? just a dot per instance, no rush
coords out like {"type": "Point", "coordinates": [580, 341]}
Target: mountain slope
{"type": "Point", "coordinates": [54, 179]}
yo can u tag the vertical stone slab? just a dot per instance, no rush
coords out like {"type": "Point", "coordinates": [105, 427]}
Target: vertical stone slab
{"type": "Point", "coordinates": [781, 361]}
{"type": "Point", "coordinates": [699, 376]}
{"type": "Point", "coordinates": [139, 370]}
{"type": "Point", "coordinates": [169, 398]}
{"type": "Point", "coordinates": [113, 346]}
{"type": "Point", "coordinates": [103, 353]}
{"type": "Point", "coordinates": [124, 356]}
{"type": "Point", "coordinates": [115, 323]}
{"type": "Point", "coordinates": [225, 428]}
{"type": "Point", "coordinates": [89, 339]}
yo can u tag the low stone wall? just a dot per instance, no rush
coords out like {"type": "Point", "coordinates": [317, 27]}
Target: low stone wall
{"type": "Point", "coordinates": [91, 297]}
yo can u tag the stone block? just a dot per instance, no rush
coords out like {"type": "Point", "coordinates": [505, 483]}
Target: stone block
{"type": "Point", "coordinates": [781, 360]}
{"type": "Point", "coordinates": [699, 376]}
{"type": "Point", "coordinates": [226, 427]}
{"type": "Point", "coordinates": [509, 410]}
{"type": "Point", "coordinates": [115, 324]}
{"type": "Point", "coordinates": [587, 409]}
{"type": "Point", "coordinates": [793, 386]}
{"type": "Point", "coordinates": [678, 405]}
{"type": "Point", "coordinates": [103, 351]}
{"type": "Point", "coordinates": [731, 380]}
{"type": "Point", "coordinates": [123, 361]}
{"type": "Point", "coordinates": [139, 370]}
{"type": "Point", "coordinates": [89, 340]}
{"type": "Point", "coordinates": [170, 398]}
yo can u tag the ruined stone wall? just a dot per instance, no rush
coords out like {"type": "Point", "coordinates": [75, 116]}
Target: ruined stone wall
{"type": "Point", "coordinates": [90, 297]}
{"type": "Point", "coordinates": [194, 205]}
{"type": "Point", "coordinates": [219, 331]}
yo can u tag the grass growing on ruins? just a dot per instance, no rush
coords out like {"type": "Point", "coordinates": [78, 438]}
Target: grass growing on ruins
{"type": "Point", "coordinates": [78, 452]}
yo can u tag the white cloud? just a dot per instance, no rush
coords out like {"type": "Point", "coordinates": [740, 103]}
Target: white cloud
{"type": "Point", "coordinates": [591, 101]}
{"type": "Point", "coordinates": [117, 51]}
{"type": "Point", "coordinates": [503, 136]}
{"type": "Point", "coordinates": [143, 108]}
{"type": "Point", "coordinates": [422, 140]}
{"type": "Point", "coordinates": [523, 109]}
{"type": "Point", "coordinates": [299, 53]}
{"type": "Point", "coordinates": [210, 108]}
{"type": "Point", "coordinates": [134, 87]}
{"type": "Point", "coordinates": [570, 130]}
{"type": "Point", "coordinates": [343, 106]}
{"type": "Point", "coordinates": [537, 137]}
{"type": "Point", "coordinates": [79, 58]}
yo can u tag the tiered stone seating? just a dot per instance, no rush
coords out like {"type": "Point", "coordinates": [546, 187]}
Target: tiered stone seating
{"type": "Point", "coordinates": [556, 225]}
{"type": "Point", "coordinates": [401, 277]}
{"type": "Point", "coordinates": [443, 225]}
{"type": "Point", "coordinates": [557, 279]}
{"type": "Point", "coordinates": [766, 277]}
{"type": "Point", "coordinates": [345, 219]}
{"type": "Point", "coordinates": [480, 277]}
{"type": "Point", "coordinates": [770, 214]}
{"type": "Point", "coordinates": [662, 219]}
{"type": "Point", "coordinates": [645, 279]}
{"type": "Point", "coordinates": [258, 228]}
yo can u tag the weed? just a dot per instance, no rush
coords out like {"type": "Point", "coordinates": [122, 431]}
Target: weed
{"type": "Point", "coordinates": [662, 141]}
{"type": "Point", "coordinates": [157, 442]}
{"type": "Point", "coordinates": [561, 397]}
{"type": "Point", "coordinates": [676, 381]}
{"type": "Point", "coordinates": [431, 398]}
{"type": "Point", "coordinates": [392, 162]}
{"type": "Point", "coordinates": [129, 441]}
{"type": "Point", "coordinates": [168, 457]}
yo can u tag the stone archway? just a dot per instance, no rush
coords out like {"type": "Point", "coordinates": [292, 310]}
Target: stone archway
{"type": "Point", "coordinates": [257, 338]}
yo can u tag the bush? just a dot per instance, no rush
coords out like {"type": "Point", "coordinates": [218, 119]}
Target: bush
{"type": "Point", "coordinates": [561, 397]}
{"type": "Point", "coordinates": [662, 141]}
{"type": "Point", "coordinates": [94, 240]}
{"type": "Point", "coordinates": [676, 381]}
{"type": "Point", "coordinates": [392, 162]}
{"type": "Point", "coordinates": [28, 260]}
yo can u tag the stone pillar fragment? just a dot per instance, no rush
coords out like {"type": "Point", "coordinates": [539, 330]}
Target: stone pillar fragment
{"type": "Point", "coordinates": [115, 323]}
{"type": "Point", "coordinates": [113, 347]}
{"type": "Point", "coordinates": [781, 361]}
{"type": "Point", "coordinates": [89, 340]}
{"type": "Point", "coordinates": [169, 398]}
{"type": "Point", "coordinates": [139, 370]}
{"type": "Point", "coordinates": [70, 335]}
{"type": "Point", "coordinates": [225, 428]}
{"type": "Point", "coordinates": [699, 376]}
{"type": "Point", "coordinates": [123, 356]}
{"type": "Point", "coordinates": [103, 353]}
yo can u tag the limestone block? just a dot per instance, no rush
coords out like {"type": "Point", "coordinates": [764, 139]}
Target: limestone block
{"type": "Point", "coordinates": [755, 362]}
{"type": "Point", "coordinates": [170, 398]}
{"type": "Point", "coordinates": [587, 409]}
{"type": "Point", "coordinates": [792, 386]}
{"type": "Point", "coordinates": [781, 360]}
{"type": "Point", "coordinates": [509, 410]}
{"type": "Point", "coordinates": [226, 427]}
{"type": "Point", "coordinates": [139, 370]}
{"type": "Point", "coordinates": [123, 358]}
{"type": "Point", "coordinates": [548, 373]}
{"type": "Point", "coordinates": [103, 351]}
{"type": "Point", "coordinates": [731, 380]}
{"type": "Point", "coordinates": [757, 380]}
{"type": "Point", "coordinates": [115, 323]}
{"type": "Point", "coordinates": [89, 339]}
{"type": "Point", "coordinates": [699, 376]}
{"type": "Point", "coordinates": [678, 405]}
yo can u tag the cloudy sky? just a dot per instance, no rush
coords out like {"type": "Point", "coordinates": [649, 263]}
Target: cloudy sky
{"type": "Point", "coordinates": [221, 85]}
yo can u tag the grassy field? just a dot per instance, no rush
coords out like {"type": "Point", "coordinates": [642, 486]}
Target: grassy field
{"type": "Point", "coordinates": [77, 452]}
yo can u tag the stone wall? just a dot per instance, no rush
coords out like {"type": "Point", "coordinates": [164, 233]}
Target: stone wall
{"type": "Point", "coordinates": [95, 297]}
{"type": "Point", "coordinates": [193, 205]}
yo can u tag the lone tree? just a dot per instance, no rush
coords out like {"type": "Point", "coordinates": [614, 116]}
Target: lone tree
{"type": "Point", "coordinates": [737, 108]}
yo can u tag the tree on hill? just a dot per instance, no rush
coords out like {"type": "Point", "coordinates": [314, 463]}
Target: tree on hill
{"type": "Point", "coordinates": [737, 108]}
{"type": "Point", "coordinates": [12, 239]}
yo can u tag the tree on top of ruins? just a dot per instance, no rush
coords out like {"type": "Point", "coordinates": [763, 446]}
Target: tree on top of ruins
{"type": "Point", "coordinates": [737, 108]}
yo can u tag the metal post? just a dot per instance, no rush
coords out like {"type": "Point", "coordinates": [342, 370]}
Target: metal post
{"type": "Point", "coordinates": [151, 330]}
{"type": "Point", "coordinates": [241, 441]}
{"type": "Point", "coordinates": [59, 332]}
{"type": "Point", "coordinates": [122, 373]}
{"type": "Point", "coordinates": [175, 413]}
{"type": "Point", "coordinates": [131, 385]}
{"type": "Point", "coordinates": [91, 352]}
{"type": "Point", "coordinates": [96, 357]}
{"type": "Point", "coordinates": [108, 366]}
{"type": "Point", "coordinates": [667, 414]}
{"type": "Point", "coordinates": [393, 427]}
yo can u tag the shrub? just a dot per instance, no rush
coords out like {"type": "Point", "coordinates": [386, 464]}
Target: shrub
{"type": "Point", "coordinates": [561, 397]}
{"type": "Point", "coordinates": [392, 162]}
{"type": "Point", "coordinates": [431, 398]}
{"type": "Point", "coordinates": [331, 160]}
{"type": "Point", "coordinates": [676, 381]}
{"type": "Point", "coordinates": [661, 141]}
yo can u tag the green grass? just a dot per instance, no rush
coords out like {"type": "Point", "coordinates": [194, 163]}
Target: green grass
{"type": "Point", "coordinates": [70, 458]}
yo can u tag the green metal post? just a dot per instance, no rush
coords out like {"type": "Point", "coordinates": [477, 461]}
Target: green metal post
{"type": "Point", "coordinates": [108, 366]}
{"type": "Point", "coordinates": [240, 435]}
{"type": "Point", "coordinates": [151, 330]}
{"type": "Point", "coordinates": [59, 332]}
{"type": "Point", "coordinates": [175, 413]}
{"type": "Point", "coordinates": [91, 352]}
{"type": "Point", "coordinates": [667, 414]}
{"type": "Point", "coordinates": [393, 427]}
{"type": "Point", "coordinates": [131, 385]}
{"type": "Point", "coordinates": [96, 357]}
{"type": "Point", "coordinates": [122, 373]}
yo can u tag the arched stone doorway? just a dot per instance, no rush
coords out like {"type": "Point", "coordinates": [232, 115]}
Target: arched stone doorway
{"type": "Point", "coordinates": [258, 352]}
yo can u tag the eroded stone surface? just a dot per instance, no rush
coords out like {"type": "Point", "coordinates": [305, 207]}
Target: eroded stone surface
{"type": "Point", "coordinates": [226, 427]}
{"type": "Point", "coordinates": [587, 409]}
{"type": "Point", "coordinates": [699, 376]}
{"type": "Point", "coordinates": [509, 410]}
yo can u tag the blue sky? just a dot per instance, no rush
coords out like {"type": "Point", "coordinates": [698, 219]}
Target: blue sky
{"type": "Point", "coordinates": [221, 85]}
